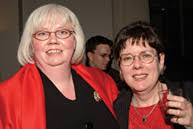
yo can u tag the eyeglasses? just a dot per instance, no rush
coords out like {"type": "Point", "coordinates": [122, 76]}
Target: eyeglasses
{"type": "Point", "coordinates": [103, 55]}
{"type": "Point", "coordinates": [145, 57]}
{"type": "Point", "coordinates": [60, 34]}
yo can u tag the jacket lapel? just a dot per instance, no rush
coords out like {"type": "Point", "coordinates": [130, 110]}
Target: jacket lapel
{"type": "Point", "coordinates": [121, 107]}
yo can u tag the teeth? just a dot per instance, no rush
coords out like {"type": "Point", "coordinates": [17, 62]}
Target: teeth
{"type": "Point", "coordinates": [54, 51]}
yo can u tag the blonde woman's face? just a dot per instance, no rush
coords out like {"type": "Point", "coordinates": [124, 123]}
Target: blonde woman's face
{"type": "Point", "coordinates": [53, 51]}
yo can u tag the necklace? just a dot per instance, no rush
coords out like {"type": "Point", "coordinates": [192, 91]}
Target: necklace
{"type": "Point", "coordinates": [144, 117]}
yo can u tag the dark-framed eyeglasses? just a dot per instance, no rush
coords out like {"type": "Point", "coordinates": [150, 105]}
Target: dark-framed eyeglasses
{"type": "Point", "coordinates": [60, 34]}
{"type": "Point", "coordinates": [145, 57]}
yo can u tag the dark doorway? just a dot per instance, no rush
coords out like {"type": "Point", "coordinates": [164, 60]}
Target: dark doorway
{"type": "Point", "coordinates": [174, 20]}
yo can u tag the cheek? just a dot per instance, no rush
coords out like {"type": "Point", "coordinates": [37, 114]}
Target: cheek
{"type": "Point", "coordinates": [154, 72]}
{"type": "Point", "coordinates": [96, 60]}
{"type": "Point", "coordinates": [69, 43]}
{"type": "Point", "coordinates": [36, 46]}
{"type": "Point", "coordinates": [125, 72]}
{"type": "Point", "coordinates": [100, 60]}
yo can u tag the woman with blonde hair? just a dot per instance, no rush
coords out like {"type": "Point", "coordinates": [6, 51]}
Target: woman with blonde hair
{"type": "Point", "coordinates": [53, 90]}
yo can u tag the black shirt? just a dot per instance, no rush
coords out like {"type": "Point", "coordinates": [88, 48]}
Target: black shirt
{"type": "Point", "coordinates": [83, 113]}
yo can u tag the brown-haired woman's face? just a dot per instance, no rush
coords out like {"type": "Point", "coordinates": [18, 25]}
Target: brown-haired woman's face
{"type": "Point", "coordinates": [139, 66]}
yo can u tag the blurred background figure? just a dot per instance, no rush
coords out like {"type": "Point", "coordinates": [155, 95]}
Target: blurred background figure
{"type": "Point", "coordinates": [99, 55]}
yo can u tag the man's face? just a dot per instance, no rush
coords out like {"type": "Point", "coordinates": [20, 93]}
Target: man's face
{"type": "Point", "coordinates": [100, 57]}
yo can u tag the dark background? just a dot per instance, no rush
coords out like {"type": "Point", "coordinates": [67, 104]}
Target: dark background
{"type": "Point", "coordinates": [174, 20]}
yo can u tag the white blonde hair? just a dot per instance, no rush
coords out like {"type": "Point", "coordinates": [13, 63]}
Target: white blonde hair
{"type": "Point", "coordinates": [37, 18]}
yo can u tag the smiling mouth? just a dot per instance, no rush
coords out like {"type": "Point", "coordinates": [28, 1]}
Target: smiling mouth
{"type": "Point", "coordinates": [54, 51]}
{"type": "Point", "coordinates": [139, 76]}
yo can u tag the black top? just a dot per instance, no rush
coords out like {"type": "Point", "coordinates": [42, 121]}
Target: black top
{"type": "Point", "coordinates": [83, 113]}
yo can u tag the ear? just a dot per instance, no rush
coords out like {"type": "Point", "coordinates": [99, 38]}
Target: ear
{"type": "Point", "coordinates": [90, 56]}
{"type": "Point", "coordinates": [162, 63]}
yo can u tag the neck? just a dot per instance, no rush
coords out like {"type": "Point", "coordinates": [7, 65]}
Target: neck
{"type": "Point", "coordinates": [57, 74]}
{"type": "Point", "coordinates": [148, 98]}
{"type": "Point", "coordinates": [61, 76]}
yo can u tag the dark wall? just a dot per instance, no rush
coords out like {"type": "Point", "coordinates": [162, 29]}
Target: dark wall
{"type": "Point", "coordinates": [174, 20]}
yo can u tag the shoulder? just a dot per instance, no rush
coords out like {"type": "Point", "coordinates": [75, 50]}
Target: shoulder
{"type": "Point", "coordinates": [19, 75]}
{"type": "Point", "coordinates": [96, 78]}
{"type": "Point", "coordinates": [91, 72]}
{"type": "Point", "coordinates": [14, 83]}
{"type": "Point", "coordinates": [114, 74]}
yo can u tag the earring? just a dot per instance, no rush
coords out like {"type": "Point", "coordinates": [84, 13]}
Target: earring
{"type": "Point", "coordinates": [120, 74]}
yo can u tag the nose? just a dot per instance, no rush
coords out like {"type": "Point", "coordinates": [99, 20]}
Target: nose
{"type": "Point", "coordinates": [52, 39]}
{"type": "Point", "coordinates": [107, 59]}
{"type": "Point", "coordinates": [137, 64]}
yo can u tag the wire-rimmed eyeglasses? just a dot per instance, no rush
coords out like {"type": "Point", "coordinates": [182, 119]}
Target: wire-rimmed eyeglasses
{"type": "Point", "coordinates": [60, 34]}
{"type": "Point", "coordinates": [145, 57]}
{"type": "Point", "coordinates": [103, 55]}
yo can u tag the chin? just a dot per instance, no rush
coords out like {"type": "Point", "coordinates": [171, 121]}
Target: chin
{"type": "Point", "coordinates": [55, 63]}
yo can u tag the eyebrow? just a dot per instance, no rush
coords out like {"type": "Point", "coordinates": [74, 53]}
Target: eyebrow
{"type": "Point", "coordinates": [139, 53]}
{"type": "Point", "coordinates": [58, 28]}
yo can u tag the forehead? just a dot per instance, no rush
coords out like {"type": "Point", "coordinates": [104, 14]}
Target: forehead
{"type": "Point", "coordinates": [103, 48]}
{"type": "Point", "coordinates": [50, 21]}
{"type": "Point", "coordinates": [135, 47]}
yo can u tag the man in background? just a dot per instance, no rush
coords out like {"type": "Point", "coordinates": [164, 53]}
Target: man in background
{"type": "Point", "coordinates": [98, 54]}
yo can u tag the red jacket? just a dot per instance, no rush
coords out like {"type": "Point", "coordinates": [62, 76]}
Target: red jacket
{"type": "Point", "coordinates": [22, 100]}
